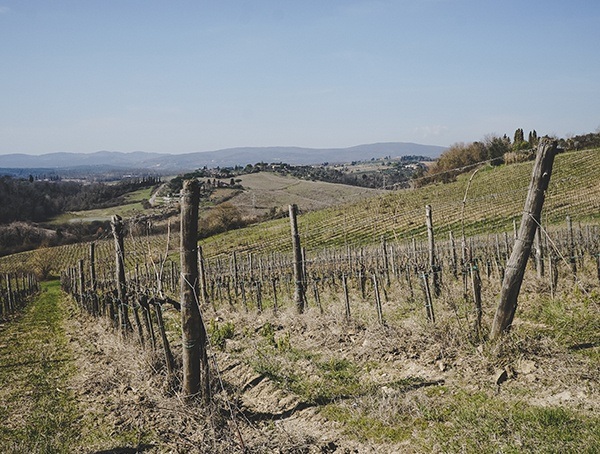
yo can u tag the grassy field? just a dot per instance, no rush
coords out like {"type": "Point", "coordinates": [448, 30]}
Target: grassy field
{"type": "Point", "coordinates": [131, 207]}
{"type": "Point", "coordinates": [265, 191]}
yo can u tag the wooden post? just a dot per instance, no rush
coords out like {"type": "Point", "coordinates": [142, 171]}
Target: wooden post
{"type": "Point", "coordinates": [93, 282]}
{"type": "Point", "coordinates": [515, 268]}
{"type": "Point", "coordinates": [299, 297]}
{"type": "Point", "coordinates": [117, 229]}
{"type": "Point", "coordinates": [476, 282]}
{"type": "Point", "coordinates": [317, 296]}
{"type": "Point", "coordinates": [386, 262]}
{"type": "Point", "coordinates": [433, 268]}
{"type": "Point", "coordinates": [346, 296]}
{"type": "Point", "coordinates": [258, 285]}
{"type": "Point", "coordinates": [571, 246]}
{"type": "Point", "coordinates": [202, 270]}
{"type": "Point", "coordinates": [81, 295]}
{"type": "Point", "coordinates": [10, 299]}
{"type": "Point", "coordinates": [377, 299]}
{"type": "Point", "coordinates": [428, 299]}
{"type": "Point", "coordinates": [195, 359]}
{"type": "Point", "coordinates": [274, 286]}
{"type": "Point", "coordinates": [539, 253]}
{"type": "Point", "coordinates": [453, 254]}
{"type": "Point", "coordinates": [169, 361]}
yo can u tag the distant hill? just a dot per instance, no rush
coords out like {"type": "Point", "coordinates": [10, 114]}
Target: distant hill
{"type": "Point", "coordinates": [163, 163]}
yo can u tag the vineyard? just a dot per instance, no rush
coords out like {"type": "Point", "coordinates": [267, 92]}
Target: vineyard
{"type": "Point", "coordinates": [386, 344]}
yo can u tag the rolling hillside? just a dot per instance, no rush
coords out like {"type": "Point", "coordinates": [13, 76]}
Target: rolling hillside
{"type": "Point", "coordinates": [494, 200]}
{"type": "Point", "coordinates": [264, 191]}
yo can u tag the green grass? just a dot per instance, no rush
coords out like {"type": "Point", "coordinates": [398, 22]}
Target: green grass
{"type": "Point", "coordinates": [132, 205]}
{"type": "Point", "coordinates": [314, 379]}
{"type": "Point", "coordinates": [38, 411]}
{"type": "Point", "coordinates": [439, 421]}
{"type": "Point", "coordinates": [39, 408]}
{"type": "Point", "coordinates": [573, 322]}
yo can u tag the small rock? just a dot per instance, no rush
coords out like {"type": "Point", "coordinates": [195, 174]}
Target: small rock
{"type": "Point", "coordinates": [387, 390]}
{"type": "Point", "coordinates": [329, 447]}
{"type": "Point", "coordinates": [501, 377]}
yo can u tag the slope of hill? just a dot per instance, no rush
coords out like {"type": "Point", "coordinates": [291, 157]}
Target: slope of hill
{"type": "Point", "coordinates": [494, 200]}
{"type": "Point", "coordinates": [267, 191]}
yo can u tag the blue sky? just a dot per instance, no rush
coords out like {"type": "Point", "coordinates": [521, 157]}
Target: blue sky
{"type": "Point", "coordinates": [184, 76]}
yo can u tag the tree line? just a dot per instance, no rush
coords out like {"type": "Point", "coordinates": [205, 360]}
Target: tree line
{"type": "Point", "coordinates": [461, 157]}
{"type": "Point", "coordinates": [26, 203]}
{"type": "Point", "coordinates": [32, 200]}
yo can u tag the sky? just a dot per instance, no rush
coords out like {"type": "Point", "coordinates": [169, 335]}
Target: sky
{"type": "Point", "coordinates": [186, 76]}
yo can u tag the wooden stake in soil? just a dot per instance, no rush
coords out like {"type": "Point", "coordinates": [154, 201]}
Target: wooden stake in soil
{"type": "Point", "coordinates": [377, 299]}
{"type": "Point", "coordinates": [81, 274]}
{"type": "Point", "coordinates": [93, 283]}
{"type": "Point", "coordinates": [515, 268]}
{"type": "Point", "coordinates": [346, 296]}
{"type": "Point", "coordinates": [117, 229]}
{"type": "Point", "coordinates": [571, 246]}
{"type": "Point", "coordinates": [299, 297]}
{"type": "Point", "coordinates": [170, 362]}
{"type": "Point", "coordinates": [476, 282]}
{"type": "Point", "coordinates": [195, 359]}
{"type": "Point", "coordinates": [202, 270]}
{"type": "Point", "coordinates": [539, 253]}
{"type": "Point", "coordinates": [428, 299]}
{"type": "Point", "coordinates": [434, 269]}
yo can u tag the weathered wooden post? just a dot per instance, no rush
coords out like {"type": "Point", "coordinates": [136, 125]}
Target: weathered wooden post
{"type": "Point", "coordinates": [476, 283]}
{"type": "Point", "coordinates": [81, 295]}
{"type": "Point", "coordinates": [515, 268]}
{"type": "Point", "coordinates": [428, 299]}
{"type": "Point", "coordinates": [539, 253]}
{"type": "Point", "coordinates": [169, 361]}
{"type": "Point", "coordinates": [386, 262]}
{"type": "Point", "coordinates": [377, 299]}
{"type": "Point", "coordinates": [454, 258]}
{"type": "Point", "coordinates": [117, 229]}
{"type": "Point", "coordinates": [202, 270]}
{"type": "Point", "coordinates": [195, 359]}
{"type": "Point", "coordinates": [432, 260]}
{"type": "Point", "coordinates": [346, 296]}
{"type": "Point", "coordinates": [10, 297]}
{"type": "Point", "coordinates": [571, 246]}
{"type": "Point", "coordinates": [93, 282]}
{"type": "Point", "coordinates": [299, 297]}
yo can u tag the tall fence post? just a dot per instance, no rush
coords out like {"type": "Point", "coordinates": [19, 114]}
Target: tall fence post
{"type": "Point", "coordinates": [515, 268]}
{"type": "Point", "coordinates": [117, 230]}
{"type": "Point", "coordinates": [434, 269]}
{"type": "Point", "coordinates": [93, 282]}
{"type": "Point", "coordinates": [195, 359]}
{"type": "Point", "coordinates": [299, 297]}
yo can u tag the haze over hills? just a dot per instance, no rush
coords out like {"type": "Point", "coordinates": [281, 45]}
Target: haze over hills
{"type": "Point", "coordinates": [162, 162]}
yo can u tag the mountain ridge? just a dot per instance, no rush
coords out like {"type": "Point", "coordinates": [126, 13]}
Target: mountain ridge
{"type": "Point", "coordinates": [228, 157]}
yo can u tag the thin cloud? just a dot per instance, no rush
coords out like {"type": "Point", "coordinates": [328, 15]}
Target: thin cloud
{"type": "Point", "coordinates": [431, 131]}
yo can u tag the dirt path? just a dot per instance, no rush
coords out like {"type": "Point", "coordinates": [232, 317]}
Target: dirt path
{"type": "Point", "coordinates": [38, 411]}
